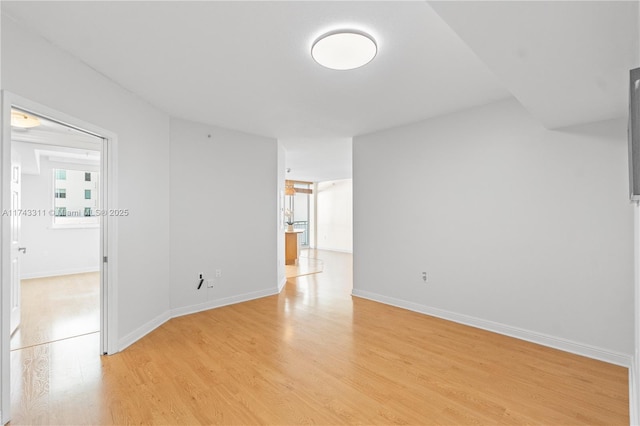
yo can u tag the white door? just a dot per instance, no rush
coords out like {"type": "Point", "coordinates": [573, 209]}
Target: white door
{"type": "Point", "coordinates": [16, 250]}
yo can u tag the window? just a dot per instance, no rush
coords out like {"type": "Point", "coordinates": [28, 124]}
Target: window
{"type": "Point", "coordinates": [75, 198]}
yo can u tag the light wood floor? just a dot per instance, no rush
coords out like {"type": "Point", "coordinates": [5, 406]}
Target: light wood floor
{"type": "Point", "coordinates": [308, 263]}
{"type": "Point", "coordinates": [314, 354]}
{"type": "Point", "coordinates": [55, 308]}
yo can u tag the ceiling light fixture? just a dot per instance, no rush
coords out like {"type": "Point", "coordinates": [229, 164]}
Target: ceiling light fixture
{"type": "Point", "coordinates": [344, 49]}
{"type": "Point", "coordinates": [23, 120]}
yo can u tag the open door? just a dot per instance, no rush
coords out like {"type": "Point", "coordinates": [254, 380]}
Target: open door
{"type": "Point", "coordinates": [11, 250]}
{"type": "Point", "coordinates": [16, 250]}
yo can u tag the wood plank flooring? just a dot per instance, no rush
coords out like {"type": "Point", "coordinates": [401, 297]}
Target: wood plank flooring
{"type": "Point", "coordinates": [55, 308]}
{"type": "Point", "coordinates": [315, 355]}
{"type": "Point", "coordinates": [308, 263]}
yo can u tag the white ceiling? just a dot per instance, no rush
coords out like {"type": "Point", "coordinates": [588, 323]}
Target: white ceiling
{"type": "Point", "coordinates": [318, 160]}
{"type": "Point", "coordinates": [567, 62]}
{"type": "Point", "coordinates": [31, 155]}
{"type": "Point", "coordinates": [247, 65]}
{"type": "Point", "coordinates": [56, 142]}
{"type": "Point", "coordinates": [50, 132]}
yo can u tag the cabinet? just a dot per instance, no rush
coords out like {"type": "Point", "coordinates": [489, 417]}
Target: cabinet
{"type": "Point", "coordinates": [291, 247]}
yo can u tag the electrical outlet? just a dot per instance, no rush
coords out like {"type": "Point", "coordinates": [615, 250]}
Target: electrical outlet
{"type": "Point", "coordinates": [218, 273]}
{"type": "Point", "coordinates": [210, 283]}
{"type": "Point", "coordinates": [424, 277]}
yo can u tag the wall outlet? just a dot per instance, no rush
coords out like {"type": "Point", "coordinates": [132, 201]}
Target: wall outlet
{"type": "Point", "coordinates": [218, 273]}
{"type": "Point", "coordinates": [210, 283]}
{"type": "Point", "coordinates": [424, 277]}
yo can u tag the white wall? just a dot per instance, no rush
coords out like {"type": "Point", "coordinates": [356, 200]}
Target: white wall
{"type": "Point", "coordinates": [223, 216]}
{"type": "Point", "coordinates": [281, 173]}
{"type": "Point", "coordinates": [335, 215]}
{"type": "Point", "coordinates": [519, 228]}
{"type": "Point", "coordinates": [52, 251]}
{"type": "Point", "coordinates": [36, 70]}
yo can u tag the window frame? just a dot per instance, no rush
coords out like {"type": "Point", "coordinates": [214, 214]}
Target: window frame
{"type": "Point", "coordinates": [75, 209]}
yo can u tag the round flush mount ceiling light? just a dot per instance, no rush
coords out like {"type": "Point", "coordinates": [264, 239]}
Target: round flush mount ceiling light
{"type": "Point", "coordinates": [344, 49]}
{"type": "Point", "coordinates": [23, 120]}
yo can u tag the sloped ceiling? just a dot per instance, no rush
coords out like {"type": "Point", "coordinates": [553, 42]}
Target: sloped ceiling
{"type": "Point", "coordinates": [567, 62]}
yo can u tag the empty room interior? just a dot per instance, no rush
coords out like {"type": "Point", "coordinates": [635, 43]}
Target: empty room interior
{"type": "Point", "coordinates": [318, 212]}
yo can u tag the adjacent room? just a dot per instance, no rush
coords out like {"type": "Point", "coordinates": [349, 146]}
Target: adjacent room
{"type": "Point", "coordinates": [336, 212]}
{"type": "Point", "coordinates": [59, 270]}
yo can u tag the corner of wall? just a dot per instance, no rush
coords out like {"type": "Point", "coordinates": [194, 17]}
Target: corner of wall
{"type": "Point", "coordinates": [280, 176]}
{"type": "Point", "coordinates": [143, 330]}
{"type": "Point", "coordinates": [158, 321]}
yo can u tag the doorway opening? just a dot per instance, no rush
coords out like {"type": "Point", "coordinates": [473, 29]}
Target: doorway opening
{"type": "Point", "coordinates": [58, 234]}
{"type": "Point", "coordinates": [299, 205]}
{"type": "Point", "coordinates": [58, 238]}
{"type": "Point", "coordinates": [299, 258]}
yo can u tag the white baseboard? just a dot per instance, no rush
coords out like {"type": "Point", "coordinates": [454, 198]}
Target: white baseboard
{"type": "Point", "coordinates": [282, 284]}
{"type": "Point", "coordinates": [142, 331]}
{"type": "Point", "coordinates": [217, 303]}
{"type": "Point", "coordinates": [60, 272]}
{"type": "Point", "coordinates": [147, 328]}
{"type": "Point", "coordinates": [588, 351]}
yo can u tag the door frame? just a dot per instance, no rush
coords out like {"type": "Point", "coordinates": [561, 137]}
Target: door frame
{"type": "Point", "coordinates": [108, 235]}
{"type": "Point", "coordinates": [15, 185]}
